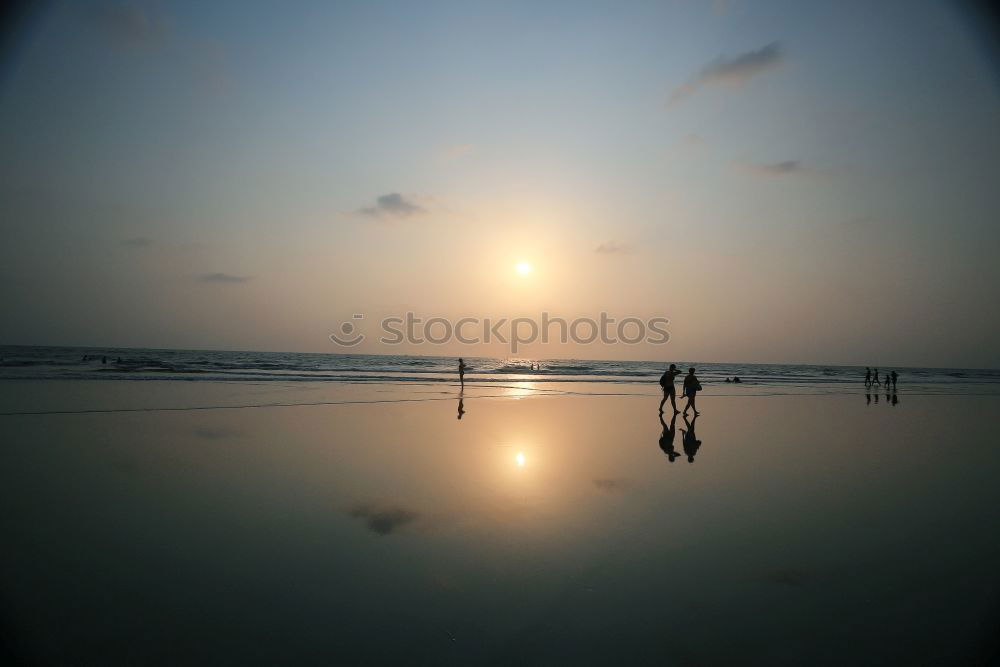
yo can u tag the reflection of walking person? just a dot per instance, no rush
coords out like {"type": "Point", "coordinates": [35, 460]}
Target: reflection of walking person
{"type": "Point", "coordinates": [667, 437]}
{"type": "Point", "coordinates": [461, 371]}
{"type": "Point", "coordinates": [691, 388]}
{"type": "Point", "coordinates": [667, 383]}
{"type": "Point", "coordinates": [691, 441]}
{"type": "Point", "coordinates": [461, 407]}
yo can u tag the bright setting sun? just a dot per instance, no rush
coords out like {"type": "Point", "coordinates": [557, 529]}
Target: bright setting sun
{"type": "Point", "coordinates": [524, 268]}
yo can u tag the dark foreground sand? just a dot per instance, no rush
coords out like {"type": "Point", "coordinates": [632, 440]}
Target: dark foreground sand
{"type": "Point", "coordinates": [807, 529]}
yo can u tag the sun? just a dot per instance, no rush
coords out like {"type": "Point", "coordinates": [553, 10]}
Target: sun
{"type": "Point", "coordinates": [523, 268]}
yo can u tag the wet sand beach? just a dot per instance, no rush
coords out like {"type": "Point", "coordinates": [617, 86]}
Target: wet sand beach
{"type": "Point", "coordinates": [807, 529]}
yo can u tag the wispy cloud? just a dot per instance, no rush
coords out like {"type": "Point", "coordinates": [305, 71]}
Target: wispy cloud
{"type": "Point", "coordinates": [392, 205]}
{"type": "Point", "coordinates": [731, 71]}
{"type": "Point", "coordinates": [612, 248]}
{"type": "Point", "coordinates": [222, 278]}
{"type": "Point", "coordinates": [458, 150]}
{"type": "Point", "coordinates": [137, 242]}
{"type": "Point", "coordinates": [721, 7]}
{"type": "Point", "coordinates": [783, 168]}
{"type": "Point", "coordinates": [128, 23]}
{"type": "Point", "coordinates": [383, 520]}
{"type": "Point", "coordinates": [612, 485]}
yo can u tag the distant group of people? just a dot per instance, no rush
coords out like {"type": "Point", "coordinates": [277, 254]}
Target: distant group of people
{"type": "Point", "coordinates": [104, 358]}
{"type": "Point", "coordinates": [872, 379]}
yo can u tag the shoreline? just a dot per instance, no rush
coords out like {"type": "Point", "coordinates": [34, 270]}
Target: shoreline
{"type": "Point", "coordinates": [51, 396]}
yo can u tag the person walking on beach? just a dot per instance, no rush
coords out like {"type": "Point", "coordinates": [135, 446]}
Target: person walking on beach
{"type": "Point", "coordinates": [461, 371]}
{"type": "Point", "coordinates": [667, 384]}
{"type": "Point", "coordinates": [691, 387]}
{"type": "Point", "coordinates": [877, 383]}
{"type": "Point", "coordinates": [893, 376]}
{"type": "Point", "coordinates": [868, 376]}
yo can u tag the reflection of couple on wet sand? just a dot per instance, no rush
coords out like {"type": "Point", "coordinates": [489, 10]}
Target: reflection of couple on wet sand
{"type": "Point", "coordinates": [689, 440]}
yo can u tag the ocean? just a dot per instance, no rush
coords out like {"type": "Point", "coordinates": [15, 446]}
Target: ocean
{"type": "Point", "coordinates": [85, 363]}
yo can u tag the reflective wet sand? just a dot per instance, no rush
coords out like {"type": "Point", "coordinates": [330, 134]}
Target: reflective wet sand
{"type": "Point", "coordinates": [783, 530]}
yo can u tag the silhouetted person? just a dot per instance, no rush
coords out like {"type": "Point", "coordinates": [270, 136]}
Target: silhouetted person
{"type": "Point", "coordinates": [691, 388]}
{"type": "Point", "coordinates": [737, 379]}
{"type": "Point", "coordinates": [877, 383]}
{"type": "Point", "coordinates": [893, 375]}
{"type": "Point", "coordinates": [728, 380]}
{"type": "Point", "coordinates": [690, 440]}
{"type": "Point", "coordinates": [461, 407]}
{"type": "Point", "coordinates": [667, 437]}
{"type": "Point", "coordinates": [461, 371]}
{"type": "Point", "coordinates": [868, 376]}
{"type": "Point", "coordinates": [104, 360]}
{"type": "Point", "coordinates": [669, 391]}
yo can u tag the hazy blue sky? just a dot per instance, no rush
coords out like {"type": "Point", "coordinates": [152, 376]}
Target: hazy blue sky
{"type": "Point", "coordinates": [786, 181]}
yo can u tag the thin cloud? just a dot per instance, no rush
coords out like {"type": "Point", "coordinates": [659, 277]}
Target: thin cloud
{"type": "Point", "coordinates": [722, 7]}
{"type": "Point", "coordinates": [392, 205]}
{"type": "Point", "coordinates": [731, 71]}
{"type": "Point", "coordinates": [222, 278]}
{"type": "Point", "coordinates": [383, 520]}
{"type": "Point", "coordinates": [611, 485]}
{"type": "Point", "coordinates": [783, 168]}
{"type": "Point", "coordinates": [612, 248]}
{"type": "Point", "coordinates": [137, 242]}
{"type": "Point", "coordinates": [128, 23]}
{"type": "Point", "coordinates": [693, 139]}
{"type": "Point", "coordinates": [458, 150]}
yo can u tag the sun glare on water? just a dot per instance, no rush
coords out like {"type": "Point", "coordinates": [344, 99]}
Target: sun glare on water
{"type": "Point", "coordinates": [520, 459]}
{"type": "Point", "coordinates": [523, 268]}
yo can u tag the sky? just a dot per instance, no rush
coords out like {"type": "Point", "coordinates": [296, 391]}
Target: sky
{"type": "Point", "coordinates": [786, 182]}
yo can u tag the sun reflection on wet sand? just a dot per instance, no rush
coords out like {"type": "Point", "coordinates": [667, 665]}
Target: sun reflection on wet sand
{"type": "Point", "coordinates": [520, 390]}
